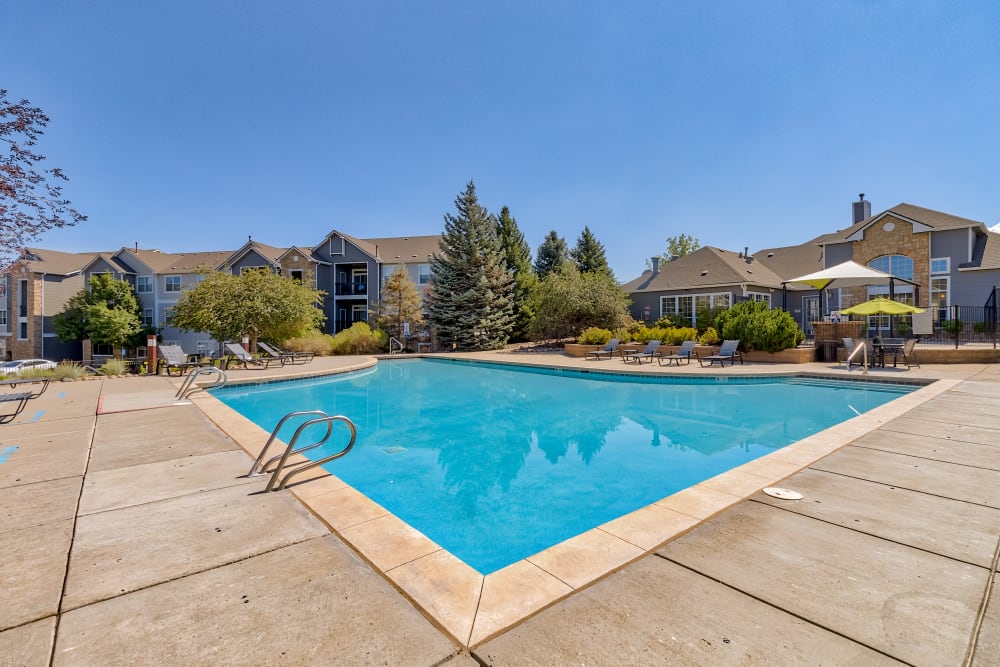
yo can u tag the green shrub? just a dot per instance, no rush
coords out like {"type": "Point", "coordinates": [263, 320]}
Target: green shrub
{"type": "Point", "coordinates": [980, 327]}
{"type": "Point", "coordinates": [953, 327]}
{"type": "Point", "coordinates": [594, 336]}
{"type": "Point", "coordinates": [705, 317]}
{"type": "Point", "coordinates": [622, 334]}
{"type": "Point", "coordinates": [360, 339]}
{"type": "Point", "coordinates": [67, 370]}
{"type": "Point", "coordinates": [315, 341]}
{"type": "Point", "coordinates": [112, 368]}
{"type": "Point", "coordinates": [677, 335]}
{"type": "Point", "coordinates": [672, 320]}
{"type": "Point", "coordinates": [759, 328]}
{"type": "Point", "coordinates": [710, 337]}
{"type": "Point", "coordinates": [646, 334]}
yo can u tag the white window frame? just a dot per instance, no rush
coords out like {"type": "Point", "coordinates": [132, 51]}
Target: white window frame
{"type": "Point", "coordinates": [144, 282]}
{"type": "Point", "coordinates": [387, 272]}
{"type": "Point", "coordinates": [947, 266]}
{"type": "Point", "coordinates": [935, 309]}
{"type": "Point", "coordinates": [168, 316]}
{"type": "Point", "coordinates": [692, 315]}
{"type": "Point", "coordinates": [423, 277]}
{"type": "Point", "coordinates": [760, 296]}
{"type": "Point", "coordinates": [168, 281]}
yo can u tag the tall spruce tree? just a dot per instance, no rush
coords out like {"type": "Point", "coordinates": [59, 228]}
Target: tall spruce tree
{"type": "Point", "coordinates": [552, 254]}
{"type": "Point", "coordinates": [588, 254]}
{"type": "Point", "coordinates": [517, 255]}
{"type": "Point", "coordinates": [469, 303]}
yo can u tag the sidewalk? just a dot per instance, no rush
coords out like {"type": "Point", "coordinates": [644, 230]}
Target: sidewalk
{"type": "Point", "coordinates": [129, 535]}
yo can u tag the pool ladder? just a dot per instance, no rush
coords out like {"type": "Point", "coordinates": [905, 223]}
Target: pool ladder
{"type": "Point", "coordinates": [280, 461]}
{"type": "Point", "coordinates": [189, 386]}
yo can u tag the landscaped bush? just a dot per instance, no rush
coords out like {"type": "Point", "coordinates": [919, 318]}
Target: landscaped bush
{"type": "Point", "coordinates": [953, 327]}
{"type": "Point", "coordinates": [677, 335]}
{"type": "Point", "coordinates": [672, 320]}
{"type": "Point", "coordinates": [594, 336]}
{"type": "Point", "coordinates": [622, 334]}
{"type": "Point", "coordinates": [35, 373]}
{"type": "Point", "coordinates": [710, 337]}
{"type": "Point", "coordinates": [67, 370]}
{"type": "Point", "coordinates": [646, 334]}
{"type": "Point", "coordinates": [759, 328]}
{"type": "Point", "coordinates": [112, 368]}
{"type": "Point", "coordinates": [360, 339]}
{"type": "Point", "coordinates": [315, 341]}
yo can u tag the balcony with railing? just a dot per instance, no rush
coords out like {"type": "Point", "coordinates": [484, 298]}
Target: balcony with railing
{"type": "Point", "coordinates": [351, 288]}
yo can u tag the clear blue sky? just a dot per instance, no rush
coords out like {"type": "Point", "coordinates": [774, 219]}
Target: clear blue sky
{"type": "Point", "coordinates": [189, 125]}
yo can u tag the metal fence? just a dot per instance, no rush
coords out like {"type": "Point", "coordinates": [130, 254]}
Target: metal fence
{"type": "Point", "coordinates": [969, 326]}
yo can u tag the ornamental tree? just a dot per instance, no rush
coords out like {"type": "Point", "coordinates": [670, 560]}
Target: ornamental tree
{"type": "Point", "coordinates": [260, 304]}
{"type": "Point", "coordinates": [399, 303]}
{"type": "Point", "coordinates": [31, 200]}
{"type": "Point", "coordinates": [469, 301]}
{"type": "Point", "coordinates": [106, 312]}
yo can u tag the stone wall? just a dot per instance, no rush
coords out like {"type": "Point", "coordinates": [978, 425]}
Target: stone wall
{"type": "Point", "coordinates": [900, 240]}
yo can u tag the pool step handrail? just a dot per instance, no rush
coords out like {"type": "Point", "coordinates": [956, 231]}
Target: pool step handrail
{"type": "Point", "coordinates": [395, 341]}
{"type": "Point", "coordinates": [256, 468]}
{"type": "Point", "coordinates": [328, 420]}
{"type": "Point", "coordinates": [189, 386]}
{"type": "Point", "coordinates": [863, 349]}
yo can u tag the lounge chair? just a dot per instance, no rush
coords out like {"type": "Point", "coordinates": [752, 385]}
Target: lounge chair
{"type": "Point", "coordinates": [285, 356]}
{"type": "Point", "coordinates": [729, 351]}
{"type": "Point", "coordinates": [174, 358]}
{"type": "Point", "coordinates": [19, 400]}
{"type": "Point", "coordinates": [907, 352]}
{"type": "Point", "coordinates": [242, 356]}
{"type": "Point", "coordinates": [685, 352]}
{"type": "Point", "coordinates": [608, 350]}
{"type": "Point", "coordinates": [648, 353]}
{"type": "Point", "coordinates": [14, 382]}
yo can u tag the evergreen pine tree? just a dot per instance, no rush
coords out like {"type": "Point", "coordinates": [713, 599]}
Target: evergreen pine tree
{"type": "Point", "coordinates": [470, 295]}
{"type": "Point", "coordinates": [552, 254]}
{"type": "Point", "coordinates": [517, 255]}
{"type": "Point", "coordinates": [589, 254]}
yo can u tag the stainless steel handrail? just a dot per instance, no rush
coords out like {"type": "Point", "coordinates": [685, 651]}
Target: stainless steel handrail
{"type": "Point", "coordinates": [863, 348]}
{"type": "Point", "coordinates": [393, 339]}
{"type": "Point", "coordinates": [255, 469]}
{"type": "Point", "coordinates": [188, 385]}
{"type": "Point", "coordinates": [302, 468]}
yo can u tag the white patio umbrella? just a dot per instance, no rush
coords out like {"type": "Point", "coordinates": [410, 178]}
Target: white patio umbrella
{"type": "Point", "coordinates": [848, 274]}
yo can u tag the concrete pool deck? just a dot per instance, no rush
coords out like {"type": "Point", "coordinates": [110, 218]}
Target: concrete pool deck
{"type": "Point", "coordinates": [130, 535]}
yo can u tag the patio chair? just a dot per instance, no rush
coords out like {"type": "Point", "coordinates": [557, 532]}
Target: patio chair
{"type": "Point", "coordinates": [648, 353]}
{"type": "Point", "coordinates": [685, 352]}
{"type": "Point", "coordinates": [608, 350]}
{"type": "Point", "coordinates": [285, 355]}
{"type": "Point", "coordinates": [19, 400]}
{"type": "Point", "coordinates": [14, 382]}
{"type": "Point", "coordinates": [729, 351]}
{"type": "Point", "coordinates": [237, 352]}
{"type": "Point", "coordinates": [175, 358]}
{"type": "Point", "coordinates": [908, 353]}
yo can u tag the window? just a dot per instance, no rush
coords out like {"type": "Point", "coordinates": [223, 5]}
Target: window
{"type": "Point", "coordinates": [147, 317]}
{"type": "Point", "coordinates": [168, 316]}
{"type": "Point", "coordinates": [424, 271]}
{"type": "Point", "coordinates": [941, 265]}
{"type": "Point", "coordinates": [206, 348]}
{"type": "Point", "coordinates": [171, 342]}
{"type": "Point", "coordinates": [3, 316]}
{"type": "Point", "coordinates": [939, 298]}
{"type": "Point", "coordinates": [900, 266]}
{"type": "Point", "coordinates": [22, 299]}
{"type": "Point", "coordinates": [22, 331]}
{"type": "Point", "coordinates": [143, 284]}
{"type": "Point", "coordinates": [760, 296]}
{"type": "Point", "coordinates": [388, 271]}
{"type": "Point", "coordinates": [103, 350]}
{"type": "Point", "coordinates": [172, 284]}
{"type": "Point", "coordinates": [688, 306]}
{"type": "Point", "coordinates": [296, 275]}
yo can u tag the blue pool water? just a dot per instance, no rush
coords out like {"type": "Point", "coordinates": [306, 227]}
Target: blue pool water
{"type": "Point", "coordinates": [496, 462]}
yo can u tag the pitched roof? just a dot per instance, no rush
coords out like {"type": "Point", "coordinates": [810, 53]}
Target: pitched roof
{"type": "Point", "coordinates": [990, 256]}
{"type": "Point", "coordinates": [934, 220]}
{"type": "Point", "coordinates": [180, 262]}
{"type": "Point", "coordinates": [40, 260]}
{"type": "Point", "coordinates": [791, 261]}
{"type": "Point", "coordinates": [404, 248]}
{"type": "Point", "coordinates": [705, 267]}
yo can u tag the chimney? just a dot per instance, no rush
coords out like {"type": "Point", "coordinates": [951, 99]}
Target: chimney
{"type": "Point", "coordinates": [746, 254]}
{"type": "Point", "coordinates": [861, 209]}
{"type": "Point", "coordinates": [656, 264]}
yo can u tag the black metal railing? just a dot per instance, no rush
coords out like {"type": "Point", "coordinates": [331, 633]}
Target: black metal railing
{"type": "Point", "coordinates": [972, 326]}
{"type": "Point", "coordinates": [351, 289]}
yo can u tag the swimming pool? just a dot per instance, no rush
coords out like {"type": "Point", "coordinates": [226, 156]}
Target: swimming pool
{"type": "Point", "coordinates": [497, 462]}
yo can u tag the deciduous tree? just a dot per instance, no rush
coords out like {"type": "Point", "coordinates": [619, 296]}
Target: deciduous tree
{"type": "Point", "coordinates": [107, 312]}
{"type": "Point", "coordinates": [260, 304]}
{"type": "Point", "coordinates": [31, 199]}
{"type": "Point", "coordinates": [570, 301]}
{"type": "Point", "coordinates": [399, 303]}
{"type": "Point", "coordinates": [469, 302]}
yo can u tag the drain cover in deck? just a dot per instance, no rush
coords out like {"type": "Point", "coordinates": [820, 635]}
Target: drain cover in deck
{"type": "Point", "coordinates": [784, 494]}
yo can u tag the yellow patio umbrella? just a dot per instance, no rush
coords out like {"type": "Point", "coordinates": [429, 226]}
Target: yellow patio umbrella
{"type": "Point", "coordinates": [882, 306]}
